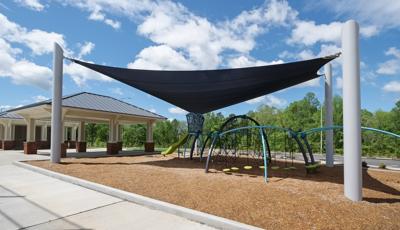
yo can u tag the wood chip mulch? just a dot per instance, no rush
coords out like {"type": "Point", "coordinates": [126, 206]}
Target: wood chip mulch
{"type": "Point", "coordinates": [291, 200]}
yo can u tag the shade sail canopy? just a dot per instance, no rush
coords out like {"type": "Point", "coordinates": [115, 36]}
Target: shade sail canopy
{"type": "Point", "coordinates": [202, 91]}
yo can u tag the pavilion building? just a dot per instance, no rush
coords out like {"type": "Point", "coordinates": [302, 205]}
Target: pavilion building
{"type": "Point", "coordinates": [29, 127]}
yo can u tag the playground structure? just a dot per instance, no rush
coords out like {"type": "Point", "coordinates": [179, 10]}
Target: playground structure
{"type": "Point", "coordinates": [306, 133]}
{"type": "Point", "coordinates": [202, 91]}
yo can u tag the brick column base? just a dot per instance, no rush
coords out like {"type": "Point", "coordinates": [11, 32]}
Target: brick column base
{"type": "Point", "coordinates": [119, 145]}
{"type": "Point", "coordinates": [80, 147]}
{"type": "Point", "coordinates": [42, 145]}
{"type": "Point", "coordinates": [112, 148]}
{"type": "Point", "coordinates": [149, 147]}
{"type": "Point", "coordinates": [30, 148]}
{"type": "Point", "coordinates": [71, 144]}
{"type": "Point", "coordinates": [8, 145]}
{"type": "Point", "coordinates": [63, 150]}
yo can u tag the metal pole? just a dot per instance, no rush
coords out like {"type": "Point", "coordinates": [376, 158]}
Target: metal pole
{"type": "Point", "coordinates": [351, 112]}
{"type": "Point", "coordinates": [328, 116]}
{"type": "Point", "coordinates": [56, 126]}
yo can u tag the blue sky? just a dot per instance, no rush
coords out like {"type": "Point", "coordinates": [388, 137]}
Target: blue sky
{"type": "Point", "coordinates": [192, 35]}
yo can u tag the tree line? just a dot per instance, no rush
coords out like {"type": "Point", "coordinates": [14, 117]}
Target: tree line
{"type": "Point", "coordinates": [299, 115]}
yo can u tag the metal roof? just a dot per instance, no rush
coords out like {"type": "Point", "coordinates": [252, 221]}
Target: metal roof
{"type": "Point", "coordinates": [9, 115]}
{"type": "Point", "coordinates": [96, 102]}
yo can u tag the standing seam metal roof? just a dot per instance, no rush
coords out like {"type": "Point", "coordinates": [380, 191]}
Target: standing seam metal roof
{"type": "Point", "coordinates": [96, 102]}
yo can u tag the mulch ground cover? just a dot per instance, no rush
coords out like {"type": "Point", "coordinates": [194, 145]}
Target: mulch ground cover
{"type": "Point", "coordinates": [291, 200]}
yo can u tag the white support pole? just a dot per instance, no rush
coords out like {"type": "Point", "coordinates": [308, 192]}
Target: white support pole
{"type": "Point", "coordinates": [56, 123]}
{"type": "Point", "coordinates": [351, 111]}
{"type": "Point", "coordinates": [149, 133]}
{"type": "Point", "coordinates": [328, 115]}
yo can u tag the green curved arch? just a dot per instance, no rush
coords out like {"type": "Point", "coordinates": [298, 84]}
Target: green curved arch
{"type": "Point", "coordinates": [314, 130]}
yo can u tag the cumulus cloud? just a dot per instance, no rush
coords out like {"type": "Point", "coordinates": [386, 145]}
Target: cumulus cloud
{"type": "Point", "coordinates": [81, 75]}
{"type": "Point", "coordinates": [97, 15]}
{"type": "Point", "coordinates": [270, 100]}
{"type": "Point", "coordinates": [86, 49]}
{"type": "Point", "coordinates": [393, 86]}
{"type": "Point", "coordinates": [392, 66]}
{"type": "Point", "coordinates": [382, 14]}
{"type": "Point", "coordinates": [39, 98]}
{"type": "Point", "coordinates": [31, 4]}
{"type": "Point", "coordinates": [8, 107]}
{"type": "Point", "coordinates": [160, 57]}
{"type": "Point", "coordinates": [201, 42]}
{"type": "Point", "coordinates": [20, 70]}
{"type": "Point", "coordinates": [176, 110]}
{"type": "Point", "coordinates": [117, 91]}
{"type": "Point", "coordinates": [39, 41]}
{"type": "Point", "coordinates": [309, 33]}
{"type": "Point", "coordinates": [244, 61]}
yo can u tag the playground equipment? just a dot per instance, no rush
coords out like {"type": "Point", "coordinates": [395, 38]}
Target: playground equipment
{"type": "Point", "coordinates": [237, 138]}
{"type": "Point", "coordinates": [195, 127]}
{"type": "Point", "coordinates": [306, 133]}
{"type": "Point", "coordinates": [176, 145]}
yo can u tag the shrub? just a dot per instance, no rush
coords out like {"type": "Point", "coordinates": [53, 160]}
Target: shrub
{"type": "Point", "coordinates": [382, 165]}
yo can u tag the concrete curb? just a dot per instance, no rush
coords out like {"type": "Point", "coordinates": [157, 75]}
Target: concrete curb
{"type": "Point", "coordinates": [197, 216]}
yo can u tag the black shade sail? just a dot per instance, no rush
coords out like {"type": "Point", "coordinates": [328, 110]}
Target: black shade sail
{"type": "Point", "coordinates": [202, 91]}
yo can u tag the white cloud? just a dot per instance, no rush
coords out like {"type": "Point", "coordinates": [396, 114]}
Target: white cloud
{"type": "Point", "coordinates": [80, 75]}
{"type": "Point", "coordinates": [117, 91]}
{"type": "Point", "coordinates": [309, 33]}
{"type": "Point", "coordinates": [97, 15]}
{"type": "Point", "coordinates": [392, 66]}
{"type": "Point", "coordinates": [8, 107]}
{"type": "Point", "coordinates": [31, 4]}
{"type": "Point", "coordinates": [244, 61]}
{"type": "Point", "coordinates": [86, 49]}
{"type": "Point", "coordinates": [381, 14]}
{"type": "Point", "coordinates": [152, 110]}
{"type": "Point", "coordinates": [160, 57]}
{"type": "Point", "coordinates": [39, 41]}
{"type": "Point", "coordinates": [176, 110]}
{"type": "Point", "coordinates": [20, 70]}
{"type": "Point", "coordinates": [393, 51]}
{"type": "Point", "coordinates": [202, 43]}
{"type": "Point", "coordinates": [270, 100]}
{"type": "Point", "coordinates": [393, 86]}
{"type": "Point", "coordinates": [39, 98]}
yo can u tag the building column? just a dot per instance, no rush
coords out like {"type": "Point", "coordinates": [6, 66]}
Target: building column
{"type": "Point", "coordinates": [149, 145]}
{"type": "Point", "coordinates": [8, 142]}
{"type": "Point", "coordinates": [42, 144]}
{"type": "Point", "coordinates": [328, 116]}
{"type": "Point", "coordinates": [81, 143]}
{"type": "Point", "coordinates": [72, 142]}
{"type": "Point", "coordinates": [112, 145]}
{"type": "Point", "coordinates": [1, 135]}
{"type": "Point", "coordinates": [119, 136]}
{"type": "Point", "coordinates": [351, 111]}
{"type": "Point", "coordinates": [64, 144]}
{"type": "Point", "coordinates": [30, 146]}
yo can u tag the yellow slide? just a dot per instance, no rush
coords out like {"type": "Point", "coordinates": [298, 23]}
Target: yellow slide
{"type": "Point", "coordinates": [176, 145]}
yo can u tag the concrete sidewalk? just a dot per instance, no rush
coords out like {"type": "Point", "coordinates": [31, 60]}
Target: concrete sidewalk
{"type": "Point", "coordinates": [35, 201]}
